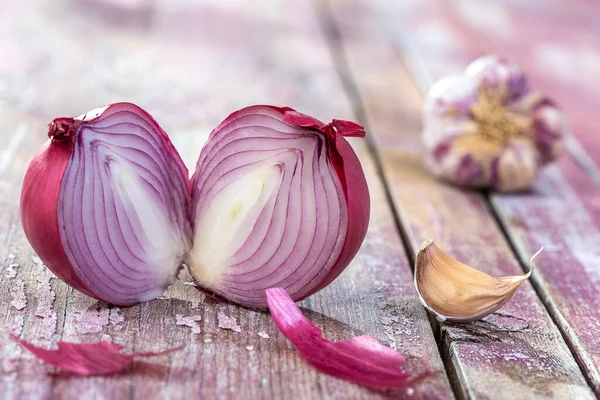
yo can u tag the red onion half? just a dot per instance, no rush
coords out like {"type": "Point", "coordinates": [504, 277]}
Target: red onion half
{"type": "Point", "coordinates": [279, 200]}
{"type": "Point", "coordinates": [105, 204]}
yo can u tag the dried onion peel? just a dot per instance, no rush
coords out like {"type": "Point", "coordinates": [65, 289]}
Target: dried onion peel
{"type": "Point", "coordinates": [362, 359]}
{"type": "Point", "coordinates": [100, 358]}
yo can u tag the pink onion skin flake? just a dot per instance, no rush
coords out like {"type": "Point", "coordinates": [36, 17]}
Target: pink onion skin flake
{"type": "Point", "coordinates": [105, 204]}
{"type": "Point", "coordinates": [279, 200]}
{"type": "Point", "coordinates": [88, 359]}
{"type": "Point", "coordinates": [363, 359]}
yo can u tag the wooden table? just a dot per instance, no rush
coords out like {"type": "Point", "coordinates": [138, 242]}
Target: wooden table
{"type": "Point", "coordinates": [190, 63]}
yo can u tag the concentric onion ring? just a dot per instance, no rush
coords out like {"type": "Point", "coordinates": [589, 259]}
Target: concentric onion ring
{"type": "Point", "coordinates": [118, 199]}
{"type": "Point", "coordinates": [279, 200]}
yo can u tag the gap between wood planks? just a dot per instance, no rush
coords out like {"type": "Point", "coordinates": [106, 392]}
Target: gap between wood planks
{"type": "Point", "coordinates": [335, 42]}
{"type": "Point", "coordinates": [423, 80]}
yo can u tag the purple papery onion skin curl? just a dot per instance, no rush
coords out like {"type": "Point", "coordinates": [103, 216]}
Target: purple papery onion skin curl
{"type": "Point", "coordinates": [279, 200]}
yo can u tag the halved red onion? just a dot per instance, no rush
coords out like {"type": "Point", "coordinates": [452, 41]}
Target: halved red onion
{"type": "Point", "coordinates": [279, 200]}
{"type": "Point", "coordinates": [362, 359]}
{"type": "Point", "coordinates": [105, 204]}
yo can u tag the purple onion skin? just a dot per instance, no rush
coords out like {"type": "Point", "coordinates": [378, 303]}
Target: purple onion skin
{"type": "Point", "coordinates": [310, 210]}
{"type": "Point", "coordinates": [91, 196]}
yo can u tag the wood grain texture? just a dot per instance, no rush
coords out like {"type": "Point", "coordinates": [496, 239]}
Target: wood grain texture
{"type": "Point", "coordinates": [561, 212]}
{"type": "Point", "coordinates": [564, 206]}
{"type": "Point", "coordinates": [190, 64]}
{"type": "Point", "coordinates": [519, 353]}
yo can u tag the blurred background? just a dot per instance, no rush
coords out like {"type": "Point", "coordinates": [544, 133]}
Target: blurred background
{"type": "Point", "coordinates": [190, 63]}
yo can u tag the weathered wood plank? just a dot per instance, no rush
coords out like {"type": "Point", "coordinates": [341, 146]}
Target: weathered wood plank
{"type": "Point", "coordinates": [529, 220]}
{"type": "Point", "coordinates": [563, 210]}
{"type": "Point", "coordinates": [524, 355]}
{"type": "Point", "coordinates": [189, 64]}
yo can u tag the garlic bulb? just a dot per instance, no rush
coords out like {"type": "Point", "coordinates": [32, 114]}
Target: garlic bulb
{"type": "Point", "coordinates": [486, 129]}
{"type": "Point", "coordinates": [456, 292]}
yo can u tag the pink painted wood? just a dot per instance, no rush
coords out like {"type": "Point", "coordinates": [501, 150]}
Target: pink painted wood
{"type": "Point", "coordinates": [190, 65]}
{"type": "Point", "coordinates": [562, 212]}
{"type": "Point", "coordinates": [377, 38]}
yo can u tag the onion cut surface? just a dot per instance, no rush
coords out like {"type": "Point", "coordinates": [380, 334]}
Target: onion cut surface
{"type": "Point", "coordinates": [105, 204]}
{"type": "Point", "coordinates": [279, 200]}
{"type": "Point", "coordinates": [362, 359]}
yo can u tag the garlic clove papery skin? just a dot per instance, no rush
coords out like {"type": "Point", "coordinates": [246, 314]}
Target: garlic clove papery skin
{"type": "Point", "coordinates": [455, 292]}
{"type": "Point", "coordinates": [500, 76]}
{"type": "Point", "coordinates": [105, 204]}
{"type": "Point", "coordinates": [487, 129]}
{"type": "Point", "coordinates": [280, 200]}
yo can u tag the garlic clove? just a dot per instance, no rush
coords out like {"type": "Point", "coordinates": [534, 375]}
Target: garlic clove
{"type": "Point", "coordinates": [471, 161]}
{"type": "Point", "coordinates": [456, 292]}
{"type": "Point", "coordinates": [515, 167]}
{"type": "Point", "coordinates": [451, 96]}
{"type": "Point", "coordinates": [549, 126]}
{"type": "Point", "coordinates": [500, 75]}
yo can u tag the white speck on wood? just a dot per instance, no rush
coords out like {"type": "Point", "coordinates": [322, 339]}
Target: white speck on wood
{"type": "Point", "coordinates": [91, 320]}
{"type": "Point", "coordinates": [17, 324]}
{"type": "Point", "coordinates": [44, 294]}
{"type": "Point", "coordinates": [45, 297]}
{"type": "Point", "coordinates": [191, 321]}
{"type": "Point", "coordinates": [37, 260]}
{"type": "Point", "coordinates": [10, 365]}
{"type": "Point", "coordinates": [389, 319]}
{"type": "Point", "coordinates": [207, 340]}
{"type": "Point", "coordinates": [263, 334]}
{"type": "Point", "coordinates": [114, 316]}
{"type": "Point", "coordinates": [389, 333]}
{"type": "Point", "coordinates": [106, 338]}
{"type": "Point", "coordinates": [226, 322]}
{"type": "Point", "coordinates": [11, 270]}
{"type": "Point", "coordinates": [17, 293]}
{"type": "Point", "coordinates": [49, 326]}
